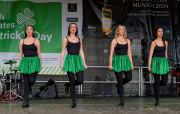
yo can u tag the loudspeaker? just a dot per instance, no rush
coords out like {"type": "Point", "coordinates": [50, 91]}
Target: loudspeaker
{"type": "Point", "coordinates": [49, 92]}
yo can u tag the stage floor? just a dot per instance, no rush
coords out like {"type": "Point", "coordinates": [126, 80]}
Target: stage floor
{"type": "Point", "coordinates": [105, 105]}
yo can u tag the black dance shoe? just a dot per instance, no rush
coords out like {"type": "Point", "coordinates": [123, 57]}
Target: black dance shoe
{"type": "Point", "coordinates": [73, 105]}
{"type": "Point", "coordinates": [157, 104]}
{"type": "Point", "coordinates": [121, 103]}
{"type": "Point", "coordinates": [25, 105]}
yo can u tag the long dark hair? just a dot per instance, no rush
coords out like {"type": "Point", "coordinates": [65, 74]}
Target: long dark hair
{"type": "Point", "coordinates": [76, 34]}
{"type": "Point", "coordinates": [33, 35]}
{"type": "Point", "coordinates": [155, 34]}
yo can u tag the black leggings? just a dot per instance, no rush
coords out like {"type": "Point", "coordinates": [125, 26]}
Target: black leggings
{"type": "Point", "coordinates": [29, 81]}
{"type": "Point", "coordinates": [75, 79]}
{"type": "Point", "coordinates": [122, 80]}
{"type": "Point", "coordinates": [159, 82]}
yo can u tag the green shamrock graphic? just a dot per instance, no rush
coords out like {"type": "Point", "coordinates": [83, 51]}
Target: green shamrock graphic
{"type": "Point", "coordinates": [25, 18]}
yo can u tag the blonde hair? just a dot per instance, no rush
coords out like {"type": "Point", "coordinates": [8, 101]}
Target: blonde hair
{"type": "Point", "coordinates": [125, 31]}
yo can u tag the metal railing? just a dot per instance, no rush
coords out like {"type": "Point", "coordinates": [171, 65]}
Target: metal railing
{"type": "Point", "coordinates": [137, 79]}
{"type": "Point", "coordinates": [140, 80]}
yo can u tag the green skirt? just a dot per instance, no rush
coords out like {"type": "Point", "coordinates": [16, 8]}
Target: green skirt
{"type": "Point", "coordinates": [121, 63]}
{"type": "Point", "coordinates": [29, 65]}
{"type": "Point", "coordinates": [73, 63]}
{"type": "Point", "coordinates": [159, 65]}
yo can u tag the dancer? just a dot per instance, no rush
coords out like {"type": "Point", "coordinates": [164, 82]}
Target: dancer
{"type": "Point", "coordinates": [74, 62]}
{"type": "Point", "coordinates": [158, 62]}
{"type": "Point", "coordinates": [121, 62]}
{"type": "Point", "coordinates": [30, 61]}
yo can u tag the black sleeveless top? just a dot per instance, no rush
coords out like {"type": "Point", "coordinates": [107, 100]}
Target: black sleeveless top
{"type": "Point", "coordinates": [73, 48]}
{"type": "Point", "coordinates": [159, 51]}
{"type": "Point", "coordinates": [121, 49]}
{"type": "Point", "coordinates": [29, 50]}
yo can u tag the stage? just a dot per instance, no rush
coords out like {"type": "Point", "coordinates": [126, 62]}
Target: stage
{"type": "Point", "coordinates": [98, 105]}
{"type": "Point", "coordinates": [97, 21]}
